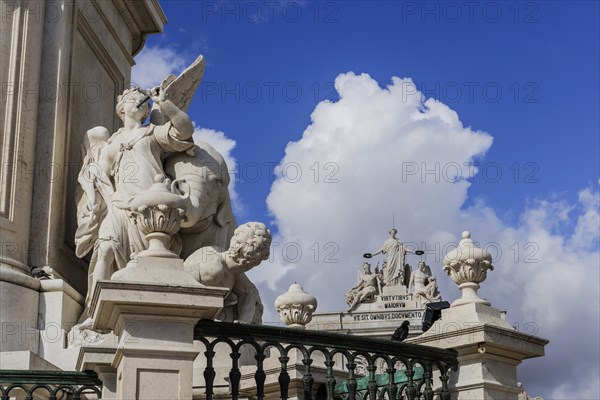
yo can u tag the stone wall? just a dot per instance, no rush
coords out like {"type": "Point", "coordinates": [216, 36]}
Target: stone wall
{"type": "Point", "coordinates": [62, 65]}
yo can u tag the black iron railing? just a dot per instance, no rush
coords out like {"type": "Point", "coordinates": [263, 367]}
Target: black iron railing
{"type": "Point", "coordinates": [417, 363]}
{"type": "Point", "coordinates": [48, 384]}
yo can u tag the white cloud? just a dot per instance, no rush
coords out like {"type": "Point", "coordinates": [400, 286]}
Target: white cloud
{"type": "Point", "coordinates": [154, 63]}
{"type": "Point", "coordinates": [225, 146]}
{"type": "Point", "coordinates": [383, 151]}
{"type": "Point", "coordinates": [361, 160]}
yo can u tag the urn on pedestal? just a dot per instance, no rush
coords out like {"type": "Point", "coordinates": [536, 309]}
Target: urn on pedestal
{"type": "Point", "coordinates": [467, 265]}
{"type": "Point", "coordinates": [158, 213]}
{"type": "Point", "coordinates": [296, 307]}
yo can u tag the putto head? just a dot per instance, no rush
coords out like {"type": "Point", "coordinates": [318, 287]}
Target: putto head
{"type": "Point", "coordinates": [250, 244]}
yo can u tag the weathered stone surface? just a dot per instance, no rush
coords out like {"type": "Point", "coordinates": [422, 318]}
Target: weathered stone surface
{"type": "Point", "coordinates": [296, 307]}
{"type": "Point", "coordinates": [377, 319]}
{"type": "Point", "coordinates": [154, 323]}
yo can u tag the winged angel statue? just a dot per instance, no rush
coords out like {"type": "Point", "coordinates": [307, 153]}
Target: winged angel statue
{"type": "Point", "coordinates": [117, 167]}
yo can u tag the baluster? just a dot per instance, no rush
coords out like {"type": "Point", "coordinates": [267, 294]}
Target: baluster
{"type": "Point", "coordinates": [392, 388]}
{"type": "Point", "coordinates": [445, 393]}
{"type": "Point", "coordinates": [410, 390]}
{"type": "Point", "coordinates": [209, 373]}
{"type": "Point", "coordinates": [235, 374]}
{"type": "Point", "coordinates": [330, 379]}
{"type": "Point", "coordinates": [351, 381]}
{"type": "Point", "coordinates": [284, 377]}
{"type": "Point", "coordinates": [428, 392]}
{"type": "Point", "coordinates": [260, 375]}
{"type": "Point", "coordinates": [372, 385]}
{"type": "Point", "coordinates": [307, 379]}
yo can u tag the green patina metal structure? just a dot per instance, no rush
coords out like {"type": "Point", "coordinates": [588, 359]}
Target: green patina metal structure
{"type": "Point", "coordinates": [408, 368]}
{"type": "Point", "coordinates": [383, 381]}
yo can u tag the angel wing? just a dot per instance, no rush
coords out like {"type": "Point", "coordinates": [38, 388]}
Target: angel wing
{"type": "Point", "coordinates": [180, 90]}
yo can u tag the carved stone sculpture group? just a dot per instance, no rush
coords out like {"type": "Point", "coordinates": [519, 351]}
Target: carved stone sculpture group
{"type": "Point", "coordinates": [141, 164]}
{"type": "Point", "coordinates": [394, 272]}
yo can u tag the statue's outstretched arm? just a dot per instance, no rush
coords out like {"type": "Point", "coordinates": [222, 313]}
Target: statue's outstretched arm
{"type": "Point", "coordinates": [180, 120]}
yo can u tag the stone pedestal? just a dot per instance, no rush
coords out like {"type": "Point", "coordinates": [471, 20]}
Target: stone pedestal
{"type": "Point", "coordinates": [19, 295]}
{"type": "Point", "coordinates": [35, 318]}
{"type": "Point", "coordinates": [99, 359]}
{"type": "Point", "coordinates": [378, 319]}
{"type": "Point", "coordinates": [489, 350]}
{"type": "Point", "coordinates": [154, 321]}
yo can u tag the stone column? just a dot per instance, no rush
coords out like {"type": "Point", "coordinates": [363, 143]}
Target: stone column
{"type": "Point", "coordinates": [489, 348]}
{"type": "Point", "coordinates": [22, 32]}
{"type": "Point", "coordinates": [62, 64]}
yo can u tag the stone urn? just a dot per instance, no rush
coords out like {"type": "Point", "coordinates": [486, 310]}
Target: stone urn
{"type": "Point", "coordinates": [467, 265]}
{"type": "Point", "coordinates": [158, 213]}
{"type": "Point", "coordinates": [296, 307]}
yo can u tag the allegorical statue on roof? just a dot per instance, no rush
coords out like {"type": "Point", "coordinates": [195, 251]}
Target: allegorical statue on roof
{"type": "Point", "coordinates": [118, 167]}
{"type": "Point", "coordinates": [394, 269]}
{"type": "Point", "coordinates": [424, 285]}
{"type": "Point", "coordinates": [367, 287]}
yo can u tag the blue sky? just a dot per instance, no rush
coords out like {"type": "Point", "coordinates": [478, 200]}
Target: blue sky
{"type": "Point", "coordinates": [525, 72]}
{"type": "Point", "coordinates": [517, 87]}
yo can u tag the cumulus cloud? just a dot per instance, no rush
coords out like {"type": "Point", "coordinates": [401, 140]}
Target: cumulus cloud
{"type": "Point", "coordinates": [225, 146]}
{"type": "Point", "coordinates": [379, 152]}
{"type": "Point", "coordinates": [553, 292]}
{"type": "Point", "coordinates": [154, 63]}
{"type": "Point", "coordinates": [362, 160]}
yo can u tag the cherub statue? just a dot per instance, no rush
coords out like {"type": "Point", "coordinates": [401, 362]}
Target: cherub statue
{"type": "Point", "coordinates": [424, 285]}
{"type": "Point", "coordinates": [213, 266]}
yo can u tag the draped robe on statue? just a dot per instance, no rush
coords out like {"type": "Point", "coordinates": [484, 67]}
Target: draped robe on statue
{"type": "Point", "coordinates": [395, 255]}
{"type": "Point", "coordinates": [127, 167]}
